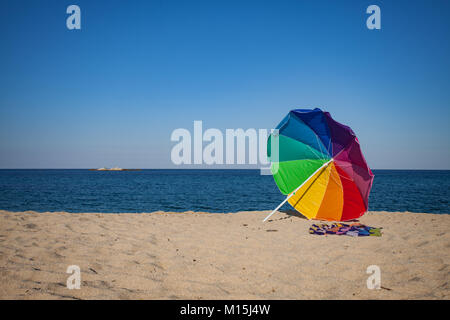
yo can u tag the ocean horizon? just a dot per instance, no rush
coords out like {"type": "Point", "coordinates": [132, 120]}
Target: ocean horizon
{"type": "Point", "coordinates": [200, 189]}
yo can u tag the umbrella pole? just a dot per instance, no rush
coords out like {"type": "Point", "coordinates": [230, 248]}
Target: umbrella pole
{"type": "Point", "coordinates": [293, 192]}
{"type": "Point", "coordinates": [281, 204]}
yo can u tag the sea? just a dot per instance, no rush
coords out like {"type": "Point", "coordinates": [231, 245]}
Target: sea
{"type": "Point", "coordinates": [219, 191]}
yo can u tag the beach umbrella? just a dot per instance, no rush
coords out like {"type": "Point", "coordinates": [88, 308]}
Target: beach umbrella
{"type": "Point", "coordinates": [318, 164]}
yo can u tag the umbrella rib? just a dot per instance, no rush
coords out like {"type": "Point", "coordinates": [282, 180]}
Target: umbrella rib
{"type": "Point", "coordinates": [319, 142]}
{"type": "Point", "coordinates": [329, 143]}
{"type": "Point", "coordinates": [317, 155]}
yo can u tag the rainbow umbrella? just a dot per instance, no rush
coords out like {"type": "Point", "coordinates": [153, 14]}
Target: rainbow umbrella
{"type": "Point", "coordinates": [319, 166]}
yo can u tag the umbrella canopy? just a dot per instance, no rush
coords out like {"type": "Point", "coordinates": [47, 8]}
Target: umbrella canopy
{"type": "Point", "coordinates": [320, 166]}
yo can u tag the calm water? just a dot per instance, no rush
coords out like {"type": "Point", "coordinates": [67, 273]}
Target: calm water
{"type": "Point", "coordinates": [197, 190]}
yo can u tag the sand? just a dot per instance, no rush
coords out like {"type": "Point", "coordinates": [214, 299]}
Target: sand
{"type": "Point", "coordinates": [219, 256]}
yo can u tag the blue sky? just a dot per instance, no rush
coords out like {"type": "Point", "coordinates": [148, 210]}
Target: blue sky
{"type": "Point", "coordinates": [111, 93]}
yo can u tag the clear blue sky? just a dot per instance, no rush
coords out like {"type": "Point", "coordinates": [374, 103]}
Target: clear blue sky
{"type": "Point", "coordinates": [111, 93]}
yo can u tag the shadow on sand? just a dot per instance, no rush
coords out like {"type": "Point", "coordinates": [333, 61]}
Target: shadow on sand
{"type": "Point", "coordinates": [289, 213]}
{"type": "Point", "coordinates": [293, 213]}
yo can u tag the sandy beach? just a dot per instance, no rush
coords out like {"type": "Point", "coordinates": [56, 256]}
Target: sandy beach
{"type": "Point", "coordinates": [219, 256]}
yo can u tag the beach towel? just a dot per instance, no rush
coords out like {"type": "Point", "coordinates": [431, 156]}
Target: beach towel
{"type": "Point", "coordinates": [352, 230]}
